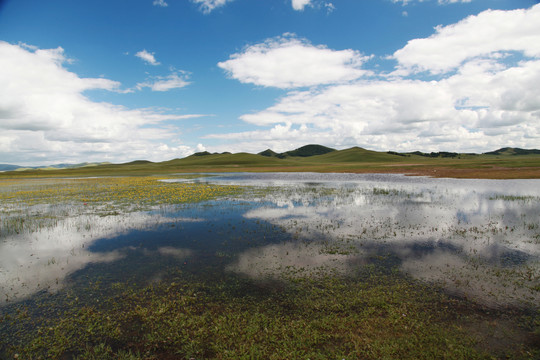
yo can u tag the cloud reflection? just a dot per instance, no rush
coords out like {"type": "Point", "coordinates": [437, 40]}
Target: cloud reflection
{"type": "Point", "coordinates": [466, 235]}
{"type": "Point", "coordinates": [31, 262]}
{"type": "Point", "coordinates": [290, 261]}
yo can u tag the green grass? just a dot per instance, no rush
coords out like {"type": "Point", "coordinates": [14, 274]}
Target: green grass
{"type": "Point", "coordinates": [378, 316]}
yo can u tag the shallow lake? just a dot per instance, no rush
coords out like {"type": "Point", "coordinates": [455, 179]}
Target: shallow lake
{"type": "Point", "coordinates": [478, 238]}
{"type": "Point", "coordinates": [475, 239]}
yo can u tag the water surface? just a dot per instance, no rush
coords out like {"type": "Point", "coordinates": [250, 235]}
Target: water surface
{"type": "Point", "coordinates": [478, 239]}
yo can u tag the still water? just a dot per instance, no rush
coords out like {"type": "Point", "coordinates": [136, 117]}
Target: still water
{"type": "Point", "coordinates": [478, 239]}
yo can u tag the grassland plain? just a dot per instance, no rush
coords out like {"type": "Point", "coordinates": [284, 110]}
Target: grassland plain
{"type": "Point", "coordinates": [374, 314]}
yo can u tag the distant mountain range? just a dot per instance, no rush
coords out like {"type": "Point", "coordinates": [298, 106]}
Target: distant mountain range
{"type": "Point", "coordinates": [319, 152]}
{"type": "Point", "coordinates": [9, 167]}
{"type": "Point", "coordinates": [313, 150]}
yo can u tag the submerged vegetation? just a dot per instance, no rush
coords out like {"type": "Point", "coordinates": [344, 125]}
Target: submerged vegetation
{"type": "Point", "coordinates": [379, 316]}
{"type": "Point", "coordinates": [309, 272]}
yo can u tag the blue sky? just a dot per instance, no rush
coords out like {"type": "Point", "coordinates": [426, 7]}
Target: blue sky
{"type": "Point", "coordinates": [160, 79]}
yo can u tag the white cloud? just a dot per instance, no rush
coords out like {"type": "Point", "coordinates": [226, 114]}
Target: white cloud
{"type": "Point", "coordinates": [485, 34]}
{"type": "Point", "coordinates": [200, 148]}
{"type": "Point", "coordinates": [486, 95]}
{"type": "Point", "coordinates": [300, 4]}
{"type": "Point", "coordinates": [329, 7]}
{"type": "Point", "coordinates": [289, 62]}
{"type": "Point", "coordinates": [46, 118]}
{"type": "Point", "coordinates": [207, 6]}
{"type": "Point", "coordinates": [160, 83]}
{"type": "Point", "coordinates": [161, 3]}
{"type": "Point", "coordinates": [147, 57]}
{"type": "Point", "coordinates": [441, 2]}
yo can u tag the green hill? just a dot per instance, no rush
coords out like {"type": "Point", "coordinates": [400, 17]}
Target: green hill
{"type": "Point", "coordinates": [269, 153]}
{"type": "Point", "coordinates": [508, 151]}
{"type": "Point", "coordinates": [309, 150]}
{"type": "Point", "coordinates": [355, 155]}
{"type": "Point", "coordinates": [304, 151]}
{"type": "Point", "coordinates": [239, 159]}
{"type": "Point", "coordinates": [138, 162]}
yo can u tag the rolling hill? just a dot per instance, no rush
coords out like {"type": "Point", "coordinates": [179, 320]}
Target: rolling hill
{"type": "Point", "coordinates": [502, 163]}
{"type": "Point", "coordinates": [508, 151]}
{"type": "Point", "coordinates": [304, 151]}
{"type": "Point", "coordinates": [355, 155]}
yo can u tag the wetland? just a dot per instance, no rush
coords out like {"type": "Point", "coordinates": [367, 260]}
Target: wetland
{"type": "Point", "coordinates": [270, 266]}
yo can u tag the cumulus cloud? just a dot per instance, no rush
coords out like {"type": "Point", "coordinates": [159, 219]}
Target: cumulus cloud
{"type": "Point", "coordinates": [147, 57]}
{"type": "Point", "coordinates": [161, 83]}
{"type": "Point", "coordinates": [300, 4]}
{"type": "Point", "coordinates": [45, 116]}
{"type": "Point", "coordinates": [485, 94]}
{"type": "Point", "coordinates": [290, 62]}
{"type": "Point", "coordinates": [484, 35]}
{"type": "Point", "coordinates": [161, 3]}
{"type": "Point", "coordinates": [441, 2]}
{"type": "Point", "coordinates": [200, 148]}
{"type": "Point", "coordinates": [207, 6]}
{"type": "Point", "coordinates": [453, 1]}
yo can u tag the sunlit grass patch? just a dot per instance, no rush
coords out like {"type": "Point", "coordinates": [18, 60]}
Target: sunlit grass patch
{"type": "Point", "coordinates": [31, 204]}
{"type": "Point", "coordinates": [144, 190]}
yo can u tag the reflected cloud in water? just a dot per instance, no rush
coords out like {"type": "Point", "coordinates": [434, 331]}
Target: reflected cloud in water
{"type": "Point", "coordinates": [480, 239]}
{"type": "Point", "coordinates": [35, 261]}
{"type": "Point", "coordinates": [290, 261]}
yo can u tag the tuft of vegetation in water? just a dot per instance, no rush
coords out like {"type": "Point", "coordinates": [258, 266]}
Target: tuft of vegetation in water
{"type": "Point", "coordinates": [514, 198]}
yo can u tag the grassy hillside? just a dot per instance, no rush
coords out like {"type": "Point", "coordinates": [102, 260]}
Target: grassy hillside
{"type": "Point", "coordinates": [309, 150]}
{"type": "Point", "coordinates": [508, 151]}
{"type": "Point", "coordinates": [231, 160]}
{"type": "Point", "coordinates": [504, 163]}
{"type": "Point", "coordinates": [304, 151]}
{"type": "Point", "coordinates": [355, 155]}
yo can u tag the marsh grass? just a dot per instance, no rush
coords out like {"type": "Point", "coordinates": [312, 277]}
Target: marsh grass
{"type": "Point", "coordinates": [376, 316]}
{"type": "Point", "coordinates": [28, 205]}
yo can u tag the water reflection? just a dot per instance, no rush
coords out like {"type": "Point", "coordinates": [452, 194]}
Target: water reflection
{"type": "Point", "coordinates": [42, 260]}
{"type": "Point", "coordinates": [290, 260]}
{"type": "Point", "coordinates": [479, 239]}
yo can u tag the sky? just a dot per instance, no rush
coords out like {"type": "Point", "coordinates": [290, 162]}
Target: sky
{"type": "Point", "coordinates": [124, 80]}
